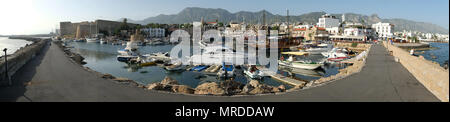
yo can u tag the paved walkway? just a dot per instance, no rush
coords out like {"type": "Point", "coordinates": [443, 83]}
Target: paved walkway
{"type": "Point", "coordinates": [53, 77]}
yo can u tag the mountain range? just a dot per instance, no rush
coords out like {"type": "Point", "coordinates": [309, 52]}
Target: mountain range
{"type": "Point", "coordinates": [191, 14]}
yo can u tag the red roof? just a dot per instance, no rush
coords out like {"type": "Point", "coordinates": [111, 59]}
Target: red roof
{"type": "Point", "coordinates": [299, 29]}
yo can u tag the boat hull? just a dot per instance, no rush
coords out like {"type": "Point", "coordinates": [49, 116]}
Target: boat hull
{"type": "Point", "coordinates": [300, 65]}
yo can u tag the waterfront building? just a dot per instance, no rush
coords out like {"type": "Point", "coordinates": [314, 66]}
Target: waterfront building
{"type": "Point", "coordinates": [87, 28]}
{"type": "Point", "coordinates": [384, 30]}
{"type": "Point", "coordinates": [153, 32]}
{"type": "Point", "coordinates": [311, 33]}
{"type": "Point", "coordinates": [328, 21]}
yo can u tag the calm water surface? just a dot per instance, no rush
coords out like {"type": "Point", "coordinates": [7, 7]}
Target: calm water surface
{"type": "Point", "coordinates": [12, 45]}
{"type": "Point", "coordinates": [103, 58]}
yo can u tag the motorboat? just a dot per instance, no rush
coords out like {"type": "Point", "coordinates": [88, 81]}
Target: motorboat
{"type": "Point", "coordinates": [199, 68]}
{"type": "Point", "coordinates": [175, 67]}
{"type": "Point", "coordinates": [302, 64]}
{"type": "Point", "coordinates": [335, 54]}
{"type": "Point", "coordinates": [164, 57]}
{"type": "Point", "coordinates": [317, 50]}
{"type": "Point", "coordinates": [305, 72]}
{"type": "Point", "coordinates": [126, 58]}
{"type": "Point", "coordinates": [213, 55]}
{"type": "Point", "coordinates": [226, 71]}
{"type": "Point", "coordinates": [253, 72]}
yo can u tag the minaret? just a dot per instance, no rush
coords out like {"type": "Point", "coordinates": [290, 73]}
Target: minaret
{"type": "Point", "coordinates": [343, 18]}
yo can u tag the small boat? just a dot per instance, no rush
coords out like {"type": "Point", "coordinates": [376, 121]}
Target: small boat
{"type": "Point", "coordinates": [335, 55]}
{"type": "Point", "coordinates": [317, 50]}
{"type": "Point", "coordinates": [175, 67]}
{"type": "Point", "coordinates": [302, 64]}
{"type": "Point", "coordinates": [147, 63]}
{"type": "Point", "coordinates": [102, 41]}
{"type": "Point", "coordinates": [226, 71]}
{"type": "Point", "coordinates": [253, 72]}
{"type": "Point", "coordinates": [305, 72]}
{"type": "Point", "coordinates": [164, 57]}
{"type": "Point", "coordinates": [92, 40]}
{"type": "Point", "coordinates": [199, 68]}
{"type": "Point", "coordinates": [126, 58]}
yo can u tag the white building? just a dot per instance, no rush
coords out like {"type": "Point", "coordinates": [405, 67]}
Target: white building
{"type": "Point", "coordinates": [384, 29]}
{"type": "Point", "coordinates": [328, 21]}
{"type": "Point", "coordinates": [333, 30]}
{"type": "Point", "coordinates": [153, 32]}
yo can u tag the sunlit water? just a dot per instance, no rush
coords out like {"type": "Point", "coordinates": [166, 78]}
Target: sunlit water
{"type": "Point", "coordinates": [440, 54]}
{"type": "Point", "coordinates": [103, 58]}
{"type": "Point", "coordinates": [12, 45]}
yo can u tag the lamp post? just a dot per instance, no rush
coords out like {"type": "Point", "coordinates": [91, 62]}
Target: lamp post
{"type": "Point", "coordinates": [6, 67]}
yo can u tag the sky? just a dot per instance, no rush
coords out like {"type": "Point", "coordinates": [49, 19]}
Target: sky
{"type": "Point", "coordinates": [43, 16]}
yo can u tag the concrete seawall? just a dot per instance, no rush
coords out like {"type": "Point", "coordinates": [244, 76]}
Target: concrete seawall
{"type": "Point", "coordinates": [20, 58]}
{"type": "Point", "coordinates": [431, 75]}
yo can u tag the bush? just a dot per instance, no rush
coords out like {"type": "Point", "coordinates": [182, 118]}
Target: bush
{"type": "Point", "coordinates": [354, 44]}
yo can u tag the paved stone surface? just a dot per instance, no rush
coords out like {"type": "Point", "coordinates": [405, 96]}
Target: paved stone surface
{"type": "Point", "coordinates": [53, 77]}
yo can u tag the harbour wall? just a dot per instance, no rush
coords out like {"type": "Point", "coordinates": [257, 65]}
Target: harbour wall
{"type": "Point", "coordinates": [20, 57]}
{"type": "Point", "coordinates": [430, 74]}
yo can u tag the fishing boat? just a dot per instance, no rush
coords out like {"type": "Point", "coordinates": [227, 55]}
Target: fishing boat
{"type": "Point", "coordinates": [128, 53]}
{"type": "Point", "coordinates": [226, 71]}
{"type": "Point", "coordinates": [302, 64]}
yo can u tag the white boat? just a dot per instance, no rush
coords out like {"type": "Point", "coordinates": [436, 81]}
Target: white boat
{"type": "Point", "coordinates": [92, 40]}
{"type": "Point", "coordinates": [214, 55]}
{"type": "Point", "coordinates": [335, 55]}
{"type": "Point", "coordinates": [159, 56]}
{"type": "Point", "coordinates": [302, 64]}
{"type": "Point", "coordinates": [103, 41]}
{"type": "Point", "coordinates": [253, 73]}
{"type": "Point", "coordinates": [319, 49]}
{"type": "Point", "coordinates": [226, 71]}
{"type": "Point", "coordinates": [175, 67]}
{"type": "Point", "coordinates": [304, 72]}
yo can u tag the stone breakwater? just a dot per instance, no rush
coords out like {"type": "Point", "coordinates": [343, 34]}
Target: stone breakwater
{"type": "Point", "coordinates": [21, 57]}
{"type": "Point", "coordinates": [430, 74]}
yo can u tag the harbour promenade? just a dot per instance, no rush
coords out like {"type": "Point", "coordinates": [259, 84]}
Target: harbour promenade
{"type": "Point", "coordinates": [51, 76]}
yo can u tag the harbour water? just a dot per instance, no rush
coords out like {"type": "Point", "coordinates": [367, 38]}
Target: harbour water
{"type": "Point", "coordinates": [103, 58]}
{"type": "Point", "coordinates": [439, 55]}
{"type": "Point", "coordinates": [12, 45]}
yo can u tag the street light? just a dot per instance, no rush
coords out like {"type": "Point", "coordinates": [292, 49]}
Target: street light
{"type": "Point", "coordinates": [6, 67]}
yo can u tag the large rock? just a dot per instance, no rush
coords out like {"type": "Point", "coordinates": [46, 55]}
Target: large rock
{"type": "Point", "coordinates": [159, 86]}
{"type": "Point", "coordinates": [232, 87]}
{"type": "Point", "coordinates": [211, 88]}
{"type": "Point", "coordinates": [182, 89]}
{"type": "Point", "coordinates": [254, 83]}
{"type": "Point", "coordinates": [108, 76]}
{"type": "Point", "coordinates": [262, 90]}
{"type": "Point", "coordinates": [169, 81]}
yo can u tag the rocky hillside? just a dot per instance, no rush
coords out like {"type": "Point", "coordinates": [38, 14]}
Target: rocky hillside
{"type": "Point", "coordinates": [191, 14]}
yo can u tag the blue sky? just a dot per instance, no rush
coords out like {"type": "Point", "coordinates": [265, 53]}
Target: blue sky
{"type": "Point", "coordinates": [45, 14]}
